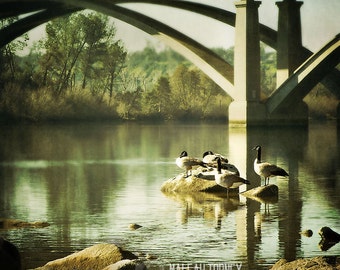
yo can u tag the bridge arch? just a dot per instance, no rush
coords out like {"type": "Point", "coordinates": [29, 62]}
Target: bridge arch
{"type": "Point", "coordinates": [216, 68]}
{"type": "Point", "coordinates": [211, 64]}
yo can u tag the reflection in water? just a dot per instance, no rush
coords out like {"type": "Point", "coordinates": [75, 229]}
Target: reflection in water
{"type": "Point", "coordinates": [91, 181]}
{"type": "Point", "coordinates": [206, 205]}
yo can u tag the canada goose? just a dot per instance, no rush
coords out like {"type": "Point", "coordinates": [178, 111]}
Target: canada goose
{"type": "Point", "coordinates": [185, 162]}
{"type": "Point", "coordinates": [266, 169]}
{"type": "Point", "coordinates": [228, 179]}
{"type": "Point", "coordinates": [229, 167]}
{"type": "Point", "coordinates": [210, 157]}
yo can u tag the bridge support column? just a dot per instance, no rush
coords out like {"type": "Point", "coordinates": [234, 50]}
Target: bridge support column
{"type": "Point", "coordinates": [289, 40]}
{"type": "Point", "coordinates": [246, 109]}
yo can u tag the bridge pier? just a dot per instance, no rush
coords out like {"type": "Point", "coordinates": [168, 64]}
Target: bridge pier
{"type": "Point", "coordinates": [246, 109]}
{"type": "Point", "coordinates": [289, 39]}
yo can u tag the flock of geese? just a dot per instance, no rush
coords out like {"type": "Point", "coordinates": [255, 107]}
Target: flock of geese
{"type": "Point", "coordinates": [226, 174]}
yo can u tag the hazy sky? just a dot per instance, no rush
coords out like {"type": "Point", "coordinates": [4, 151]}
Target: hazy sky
{"type": "Point", "coordinates": [320, 23]}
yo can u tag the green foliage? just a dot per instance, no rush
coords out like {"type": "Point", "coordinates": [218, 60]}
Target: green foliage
{"type": "Point", "coordinates": [80, 72]}
{"type": "Point", "coordinates": [79, 49]}
{"type": "Point", "coordinates": [268, 71]}
{"type": "Point", "coordinates": [227, 55]}
{"type": "Point", "coordinates": [8, 61]}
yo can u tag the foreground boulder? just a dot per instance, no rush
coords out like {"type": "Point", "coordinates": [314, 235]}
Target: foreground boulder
{"type": "Point", "coordinates": [95, 257]}
{"type": "Point", "coordinates": [9, 256]}
{"type": "Point", "coordinates": [317, 263]}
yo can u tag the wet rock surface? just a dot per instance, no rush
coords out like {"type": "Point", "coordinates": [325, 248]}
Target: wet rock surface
{"type": "Point", "coordinates": [96, 257]}
{"type": "Point", "coordinates": [16, 224]}
{"type": "Point", "coordinates": [199, 181]}
{"type": "Point", "coordinates": [126, 265]}
{"type": "Point", "coordinates": [9, 256]}
{"type": "Point", "coordinates": [317, 263]}
{"type": "Point", "coordinates": [262, 191]}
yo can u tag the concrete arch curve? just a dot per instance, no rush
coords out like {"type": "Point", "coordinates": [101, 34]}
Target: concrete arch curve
{"type": "Point", "coordinates": [211, 64]}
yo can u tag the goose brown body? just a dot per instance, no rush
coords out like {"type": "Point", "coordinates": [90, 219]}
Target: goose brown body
{"type": "Point", "coordinates": [186, 162]}
{"type": "Point", "coordinates": [227, 178]}
{"type": "Point", "coordinates": [266, 169]}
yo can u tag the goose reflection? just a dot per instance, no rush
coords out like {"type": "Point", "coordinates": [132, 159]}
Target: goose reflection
{"type": "Point", "coordinates": [263, 216]}
{"type": "Point", "coordinates": [210, 207]}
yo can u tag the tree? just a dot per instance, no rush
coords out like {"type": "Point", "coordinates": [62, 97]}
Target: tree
{"type": "Point", "coordinates": [8, 67]}
{"type": "Point", "coordinates": [65, 41]}
{"type": "Point", "coordinates": [157, 102]}
{"type": "Point", "coordinates": [186, 89]}
{"type": "Point", "coordinates": [80, 48]}
{"type": "Point", "coordinates": [114, 62]}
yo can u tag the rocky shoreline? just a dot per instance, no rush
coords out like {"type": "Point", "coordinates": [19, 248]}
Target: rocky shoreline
{"type": "Point", "coordinates": [107, 256]}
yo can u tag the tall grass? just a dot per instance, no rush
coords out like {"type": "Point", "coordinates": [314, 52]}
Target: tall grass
{"type": "Point", "coordinates": [83, 105]}
{"type": "Point", "coordinates": [43, 105]}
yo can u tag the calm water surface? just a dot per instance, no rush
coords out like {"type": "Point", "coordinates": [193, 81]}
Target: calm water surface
{"type": "Point", "coordinates": [90, 181]}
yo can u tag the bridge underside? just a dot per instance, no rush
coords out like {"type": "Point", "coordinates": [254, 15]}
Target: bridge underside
{"type": "Point", "coordinates": [286, 100]}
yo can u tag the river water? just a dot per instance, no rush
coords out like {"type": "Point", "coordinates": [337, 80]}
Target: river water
{"type": "Point", "coordinates": [90, 181]}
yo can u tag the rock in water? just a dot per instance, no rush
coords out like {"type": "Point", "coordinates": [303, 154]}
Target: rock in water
{"type": "Point", "coordinates": [135, 226]}
{"type": "Point", "coordinates": [262, 191]}
{"type": "Point", "coordinates": [9, 256]}
{"type": "Point", "coordinates": [307, 233]}
{"type": "Point", "coordinates": [193, 183]}
{"type": "Point", "coordinates": [328, 238]}
{"type": "Point", "coordinates": [330, 235]}
{"type": "Point", "coordinates": [95, 257]}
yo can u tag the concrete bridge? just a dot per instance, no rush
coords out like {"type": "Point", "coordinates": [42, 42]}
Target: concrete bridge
{"type": "Point", "coordinates": [241, 82]}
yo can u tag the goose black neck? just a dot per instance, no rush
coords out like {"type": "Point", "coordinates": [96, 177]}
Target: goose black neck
{"type": "Point", "coordinates": [219, 166]}
{"type": "Point", "coordinates": [259, 154]}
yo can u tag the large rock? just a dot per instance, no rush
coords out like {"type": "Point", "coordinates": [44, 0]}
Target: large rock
{"type": "Point", "coordinates": [9, 256]}
{"type": "Point", "coordinates": [95, 257]}
{"type": "Point", "coordinates": [317, 263]}
{"type": "Point", "coordinates": [328, 238]}
{"type": "Point", "coordinates": [197, 182]}
{"type": "Point", "coordinates": [330, 235]}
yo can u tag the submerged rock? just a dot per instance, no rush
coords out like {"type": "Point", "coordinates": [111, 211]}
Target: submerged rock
{"type": "Point", "coordinates": [307, 233]}
{"type": "Point", "coordinates": [15, 224]}
{"type": "Point", "coordinates": [135, 226]}
{"type": "Point", "coordinates": [95, 257]}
